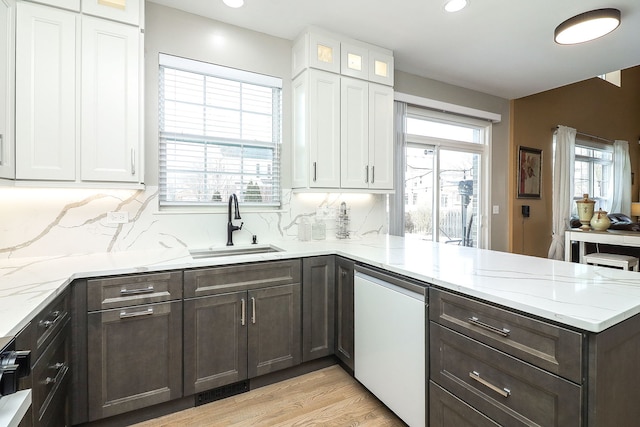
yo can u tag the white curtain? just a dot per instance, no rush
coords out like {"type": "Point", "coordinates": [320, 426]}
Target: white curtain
{"type": "Point", "coordinates": [396, 200]}
{"type": "Point", "coordinates": [564, 141]}
{"type": "Point", "coordinates": [621, 183]}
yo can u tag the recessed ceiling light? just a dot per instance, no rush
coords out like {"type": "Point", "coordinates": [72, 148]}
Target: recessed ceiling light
{"type": "Point", "coordinates": [455, 5]}
{"type": "Point", "coordinates": [587, 26]}
{"type": "Point", "coordinates": [234, 3]}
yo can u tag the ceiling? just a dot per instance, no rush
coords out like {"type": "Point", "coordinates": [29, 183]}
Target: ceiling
{"type": "Point", "coordinates": [500, 47]}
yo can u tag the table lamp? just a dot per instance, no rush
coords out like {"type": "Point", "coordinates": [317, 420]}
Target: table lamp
{"type": "Point", "coordinates": [635, 210]}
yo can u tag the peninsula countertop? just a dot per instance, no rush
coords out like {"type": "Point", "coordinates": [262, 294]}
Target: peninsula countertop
{"type": "Point", "coordinates": [577, 295]}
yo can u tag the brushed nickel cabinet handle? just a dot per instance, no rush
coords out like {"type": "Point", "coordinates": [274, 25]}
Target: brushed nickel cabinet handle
{"type": "Point", "coordinates": [504, 392]}
{"type": "Point", "coordinates": [373, 174]}
{"type": "Point", "coordinates": [315, 171]}
{"type": "Point", "coordinates": [366, 174]}
{"type": "Point", "coordinates": [242, 312]}
{"type": "Point", "coordinates": [133, 161]}
{"type": "Point", "coordinates": [503, 332]}
{"type": "Point", "coordinates": [125, 315]}
{"type": "Point", "coordinates": [253, 309]}
{"type": "Point", "coordinates": [149, 289]}
{"type": "Point", "coordinates": [49, 323]}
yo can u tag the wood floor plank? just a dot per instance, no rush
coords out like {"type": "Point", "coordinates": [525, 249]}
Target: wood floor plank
{"type": "Point", "coordinates": [328, 397]}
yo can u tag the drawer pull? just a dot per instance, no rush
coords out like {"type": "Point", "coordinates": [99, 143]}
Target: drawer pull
{"type": "Point", "coordinates": [125, 315]}
{"type": "Point", "coordinates": [243, 310]}
{"type": "Point", "coordinates": [146, 290]}
{"type": "Point", "coordinates": [503, 332]}
{"type": "Point", "coordinates": [49, 323]}
{"type": "Point", "coordinates": [504, 392]}
{"type": "Point", "coordinates": [253, 309]}
{"type": "Point", "coordinates": [57, 366]}
{"type": "Point", "coordinates": [50, 380]}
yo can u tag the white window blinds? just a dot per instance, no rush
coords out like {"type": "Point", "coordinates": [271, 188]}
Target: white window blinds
{"type": "Point", "coordinates": [220, 133]}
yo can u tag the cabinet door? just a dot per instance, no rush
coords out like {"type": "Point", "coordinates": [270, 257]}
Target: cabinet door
{"type": "Point", "coordinates": [110, 101]}
{"type": "Point", "coordinates": [381, 68]}
{"type": "Point", "coordinates": [344, 311]}
{"type": "Point", "coordinates": [274, 329]}
{"type": "Point", "coordinates": [7, 87]}
{"type": "Point", "coordinates": [45, 93]}
{"type": "Point", "coordinates": [354, 61]}
{"type": "Point", "coordinates": [318, 307]}
{"type": "Point", "coordinates": [215, 341]}
{"type": "Point", "coordinates": [127, 11]}
{"type": "Point", "coordinates": [324, 129]}
{"type": "Point", "coordinates": [354, 100]}
{"type": "Point", "coordinates": [380, 137]}
{"type": "Point", "coordinates": [135, 358]}
{"type": "Point", "coordinates": [324, 52]}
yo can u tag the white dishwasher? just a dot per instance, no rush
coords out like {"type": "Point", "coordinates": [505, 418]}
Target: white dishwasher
{"type": "Point", "coordinates": [390, 342]}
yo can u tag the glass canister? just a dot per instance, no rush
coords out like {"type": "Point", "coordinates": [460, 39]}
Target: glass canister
{"type": "Point", "coordinates": [318, 230]}
{"type": "Point", "coordinates": [304, 229]}
{"type": "Point", "coordinates": [585, 211]}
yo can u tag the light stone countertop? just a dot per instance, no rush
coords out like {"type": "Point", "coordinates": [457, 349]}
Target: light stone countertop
{"type": "Point", "coordinates": [581, 296]}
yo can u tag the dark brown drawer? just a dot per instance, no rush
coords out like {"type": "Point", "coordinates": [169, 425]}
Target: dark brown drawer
{"type": "Point", "coordinates": [209, 281]}
{"type": "Point", "coordinates": [547, 346]}
{"type": "Point", "coordinates": [446, 410]}
{"type": "Point", "coordinates": [137, 289]}
{"type": "Point", "coordinates": [47, 324]}
{"type": "Point", "coordinates": [507, 390]}
{"type": "Point", "coordinates": [51, 376]}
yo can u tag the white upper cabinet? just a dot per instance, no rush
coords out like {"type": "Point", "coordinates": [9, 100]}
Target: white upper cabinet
{"type": "Point", "coordinates": [73, 5]}
{"type": "Point", "coordinates": [381, 67]}
{"type": "Point", "coordinates": [78, 96]}
{"type": "Point", "coordinates": [315, 50]}
{"type": "Point", "coordinates": [127, 11]}
{"type": "Point", "coordinates": [7, 87]}
{"type": "Point", "coordinates": [110, 101]}
{"type": "Point", "coordinates": [366, 135]}
{"type": "Point", "coordinates": [316, 133]}
{"type": "Point", "coordinates": [45, 93]}
{"type": "Point", "coordinates": [354, 61]}
{"type": "Point", "coordinates": [343, 115]}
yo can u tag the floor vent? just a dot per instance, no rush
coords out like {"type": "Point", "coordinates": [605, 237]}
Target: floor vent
{"type": "Point", "coordinates": [221, 392]}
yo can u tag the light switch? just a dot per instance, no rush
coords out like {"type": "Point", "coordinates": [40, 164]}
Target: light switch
{"type": "Point", "coordinates": [496, 209]}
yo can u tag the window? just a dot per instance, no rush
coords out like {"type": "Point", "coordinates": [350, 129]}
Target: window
{"type": "Point", "coordinates": [445, 172]}
{"type": "Point", "coordinates": [220, 133]}
{"type": "Point", "coordinates": [593, 171]}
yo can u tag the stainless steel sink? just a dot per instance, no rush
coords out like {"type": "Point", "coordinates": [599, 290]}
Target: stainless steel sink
{"type": "Point", "coordinates": [232, 251]}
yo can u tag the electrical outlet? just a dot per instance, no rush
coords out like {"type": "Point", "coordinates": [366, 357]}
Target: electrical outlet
{"type": "Point", "coordinates": [120, 217]}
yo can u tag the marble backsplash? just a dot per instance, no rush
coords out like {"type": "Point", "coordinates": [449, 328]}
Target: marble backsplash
{"type": "Point", "coordinates": [54, 222]}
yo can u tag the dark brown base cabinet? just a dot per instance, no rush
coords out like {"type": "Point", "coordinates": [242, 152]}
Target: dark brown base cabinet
{"type": "Point", "coordinates": [240, 322]}
{"type": "Point", "coordinates": [318, 307]}
{"type": "Point", "coordinates": [344, 311]}
{"type": "Point", "coordinates": [48, 336]}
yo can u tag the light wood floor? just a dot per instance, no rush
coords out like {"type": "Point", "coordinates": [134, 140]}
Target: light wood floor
{"type": "Point", "coordinates": [328, 397]}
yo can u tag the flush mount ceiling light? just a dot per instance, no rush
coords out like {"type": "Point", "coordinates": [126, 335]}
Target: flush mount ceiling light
{"type": "Point", "coordinates": [455, 5]}
{"type": "Point", "coordinates": [587, 26]}
{"type": "Point", "coordinates": [234, 3]}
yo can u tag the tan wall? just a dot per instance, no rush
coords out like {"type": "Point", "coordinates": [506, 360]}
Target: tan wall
{"type": "Point", "coordinates": [594, 107]}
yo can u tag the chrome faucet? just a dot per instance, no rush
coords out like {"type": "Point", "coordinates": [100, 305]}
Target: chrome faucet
{"type": "Point", "coordinates": [233, 200]}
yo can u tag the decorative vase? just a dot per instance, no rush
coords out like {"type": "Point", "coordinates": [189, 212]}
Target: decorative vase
{"type": "Point", "coordinates": [585, 211]}
{"type": "Point", "coordinates": [600, 221]}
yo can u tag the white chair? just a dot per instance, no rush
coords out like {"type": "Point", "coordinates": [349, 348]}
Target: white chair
{"type": "Point", "coordinates": [612, 260]}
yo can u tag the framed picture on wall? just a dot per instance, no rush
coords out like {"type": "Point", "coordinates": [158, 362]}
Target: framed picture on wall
{"type": "Point", "coordinates": [529, 173]}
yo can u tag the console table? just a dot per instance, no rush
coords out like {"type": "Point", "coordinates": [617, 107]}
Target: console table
{"type": "Point", "coordinates": [609, 237]}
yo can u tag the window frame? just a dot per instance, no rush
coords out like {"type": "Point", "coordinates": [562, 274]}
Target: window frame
{"type": "Point", "coordinates": [602, 202]}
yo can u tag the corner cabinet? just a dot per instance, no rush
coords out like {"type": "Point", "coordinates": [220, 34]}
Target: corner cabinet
{"type": "Point", "coordinates": [77, 100]}
{"type": "Point", "coordinates": [342, 114]}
